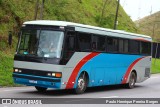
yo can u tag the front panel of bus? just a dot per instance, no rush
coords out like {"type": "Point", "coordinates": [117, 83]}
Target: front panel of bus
{"type": "Point", "coordinates": [38, 56]}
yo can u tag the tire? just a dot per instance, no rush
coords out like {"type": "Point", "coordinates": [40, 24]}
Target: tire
{"type": "Point", "coordinates": [81, 84]}
{"type": "Point", "coordinates": [132, 81]}
{"type": "Point", "coordinates": [40, 89]}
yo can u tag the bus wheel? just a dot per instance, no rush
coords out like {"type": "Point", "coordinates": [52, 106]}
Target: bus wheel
{"type": "Point", "coordinates": [132, 81]}
{"type": "Point", "coordinates": [81, 84]}
{"type": "Point", "coordinates": [40, 89]}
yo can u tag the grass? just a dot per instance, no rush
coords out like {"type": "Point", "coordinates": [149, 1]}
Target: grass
{"type": "Point", "coordinates": [6, 65]}
{"type": "Point", "coordinates": [155, 66]}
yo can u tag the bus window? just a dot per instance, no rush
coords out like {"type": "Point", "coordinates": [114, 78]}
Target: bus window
{"type": "Point", "coordinates": [121, 45]}
{"type": "Point", "coordinates": [133, 47]}
{"type": "Point", "coordinates": [146, 48]}
{"type": "Point", "coordinates": [84, 41]}
{"type": "Point", "coordinates": [112, 44]}
{"type": "Point", "coordinates": [98, 43]}
{"type": "Point", "coordinates": [71, 43]}
{"type": "Point", "coordinates": [125, 46]}
{"type": "Point", "coordinates": [69, 47]}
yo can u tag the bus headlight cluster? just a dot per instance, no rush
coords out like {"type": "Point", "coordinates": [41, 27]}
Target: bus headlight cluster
{"type": "Point", "coordinates": [58, 75]}
{"type": "Point", "coordinates": [51, 74]}
{"type": "Point", "coordinates": [17, 70]}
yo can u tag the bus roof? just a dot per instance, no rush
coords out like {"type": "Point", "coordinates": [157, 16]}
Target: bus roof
{"type": "Point", "coordinates": [64, 23]}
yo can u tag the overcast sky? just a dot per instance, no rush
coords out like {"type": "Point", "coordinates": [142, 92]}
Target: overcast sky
{"type": "Point", "coordinates": [137, 9]}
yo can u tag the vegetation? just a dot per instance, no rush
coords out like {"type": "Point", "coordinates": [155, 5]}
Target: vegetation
{"type": "Point", "coordinates": [150, 26]}
{"type": "Point", "coordinates": [14, 12]}
{"type": "Point", "coordinates": [155, 66]}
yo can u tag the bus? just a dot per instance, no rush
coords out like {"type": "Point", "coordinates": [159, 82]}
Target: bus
{"type": "Point", "coordinates": [66, 55]}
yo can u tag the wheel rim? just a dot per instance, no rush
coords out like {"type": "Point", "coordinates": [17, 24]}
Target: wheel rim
{"type": "Point", "coordinates": [81, 83]}
{"type": "Point", "coordinates": [132, 80]}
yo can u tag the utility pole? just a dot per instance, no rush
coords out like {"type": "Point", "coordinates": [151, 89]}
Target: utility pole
{"type": "Point", "coordinates": [115, 21]}
{"type": "Point", "coordinates": [36, 10]}
{"type": "Point", "coordinates": [37, 6]}
{"type": "Point", "coordinates": [42, 7]}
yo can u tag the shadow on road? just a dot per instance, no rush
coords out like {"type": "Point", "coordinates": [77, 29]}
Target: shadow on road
{"type": "Point", "coordinates": [50, 93]}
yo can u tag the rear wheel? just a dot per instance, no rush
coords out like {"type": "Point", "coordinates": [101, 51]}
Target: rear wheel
{"type": "Point", "coordinates": [40, 89]}
{"type": "Point", "coordinates": [81, 84]}
{"type": "Point", "coordinates": [132, 80]}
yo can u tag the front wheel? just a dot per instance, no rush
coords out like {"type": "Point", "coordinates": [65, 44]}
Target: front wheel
{"type": "Point", "coordinates": [81, 84]}
{"type": "Point", "coordinates": [132, 81]}
{"type": "Point", "coordinates": [40, 89]}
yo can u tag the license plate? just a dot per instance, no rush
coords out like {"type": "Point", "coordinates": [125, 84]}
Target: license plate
{"type": "Point", "coordinates": [33, 81]}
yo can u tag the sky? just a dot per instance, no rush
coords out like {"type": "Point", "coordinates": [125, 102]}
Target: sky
{"type": "Point", "coordinates": [138, 9]}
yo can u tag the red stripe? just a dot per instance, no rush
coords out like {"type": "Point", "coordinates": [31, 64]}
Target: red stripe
{"type": "Point", "coordinates": [77, 68]}
{"type": "Point", "coordinates": [141, 39]}
{"type": "Point", "coordinates": [130, 69]}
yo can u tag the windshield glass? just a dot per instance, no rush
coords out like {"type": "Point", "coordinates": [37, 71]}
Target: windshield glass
{"type": "Point", "coordinates": [42, 43]}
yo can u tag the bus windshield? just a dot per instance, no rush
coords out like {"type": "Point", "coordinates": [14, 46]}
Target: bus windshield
{"type": "Point", "coordinates": [42, 43]}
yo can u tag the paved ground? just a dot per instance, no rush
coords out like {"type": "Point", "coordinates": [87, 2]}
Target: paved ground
{"type": "Point", "coordinates": [148, 89]}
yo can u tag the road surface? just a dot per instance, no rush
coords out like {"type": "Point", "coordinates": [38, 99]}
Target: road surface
{"type": "Point", "coordinates": [147, 89]}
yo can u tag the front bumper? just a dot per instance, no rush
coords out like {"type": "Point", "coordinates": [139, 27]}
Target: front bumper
{"type": "Point", "coordinates": [41, 81]}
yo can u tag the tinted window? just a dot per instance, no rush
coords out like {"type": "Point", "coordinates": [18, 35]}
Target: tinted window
{"type": "Point", "coordinates": [121, 46]}
{"type": "Point", "coordinates": [125, 46]}
{"type": "Point", "coordinates": [69, 47]}
{"type": "Point", "coordinates": [146, 48]}
{"type": "Point", "coordinates": [98, 43]}
{"type": "Point", "coordinates": [84, 41]}
{"type": "Point", "coordinates": [133, 47]}
{"type": "Point", "coordinates": [70, 42]}
{"type": "Point", "coordinates": [112, 44]}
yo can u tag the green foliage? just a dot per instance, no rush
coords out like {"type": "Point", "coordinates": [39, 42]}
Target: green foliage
{"type": "Point", "coordinates": [150, 26]}
{"type": "Point", "coordinates": [6, 65]}
{"type": "Point", "coordinates": [155, 66]}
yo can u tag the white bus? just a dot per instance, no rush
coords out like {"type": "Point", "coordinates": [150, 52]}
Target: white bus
{"type": "Point", "coordinates": [66, 55]}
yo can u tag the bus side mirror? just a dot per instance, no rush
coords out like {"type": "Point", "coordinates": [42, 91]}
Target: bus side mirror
{"type": "Point", "coordinates": [10, 38]}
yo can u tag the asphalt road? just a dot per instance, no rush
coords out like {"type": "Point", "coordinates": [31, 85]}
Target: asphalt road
{"type": "Point", "coordinates": [147, 89]}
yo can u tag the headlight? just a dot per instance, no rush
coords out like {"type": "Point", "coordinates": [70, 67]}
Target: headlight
{"type": "Point", "coordinates": [15, 70]}
{"type": "Point", "coordinates": [53, 74]}
{"type": "Point", "coordinates": [58, 75]}
{"type": "Point", "coordinates": [48, 74]}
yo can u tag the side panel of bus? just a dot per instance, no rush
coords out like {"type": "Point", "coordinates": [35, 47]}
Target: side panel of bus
{"type": "Point", "coordinates": [108, 69]}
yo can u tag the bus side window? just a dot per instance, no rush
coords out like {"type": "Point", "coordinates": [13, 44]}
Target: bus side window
{"type": "Point", "coordinates": [134, 47]}
{"type": "Point", "coordinates": [69, 46]}
{"type": "Point", "coordinates": [112, 44]}
{"type": "Point", "coordinates": [84, 42]}
{"type": "Point", "coordinates": [145, 48]}
{"type": "Point", "coordinates": [121, 45]}
{"type": "Point", "coordinates": [125, 46]}
{"type": "Point", "coordinates": [98, 43]}
{"type": "Point", "coordinates": [71, 43]}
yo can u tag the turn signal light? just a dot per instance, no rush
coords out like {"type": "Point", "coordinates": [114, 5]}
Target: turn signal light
{"type": "Point", "coordinates": [59, 75]}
